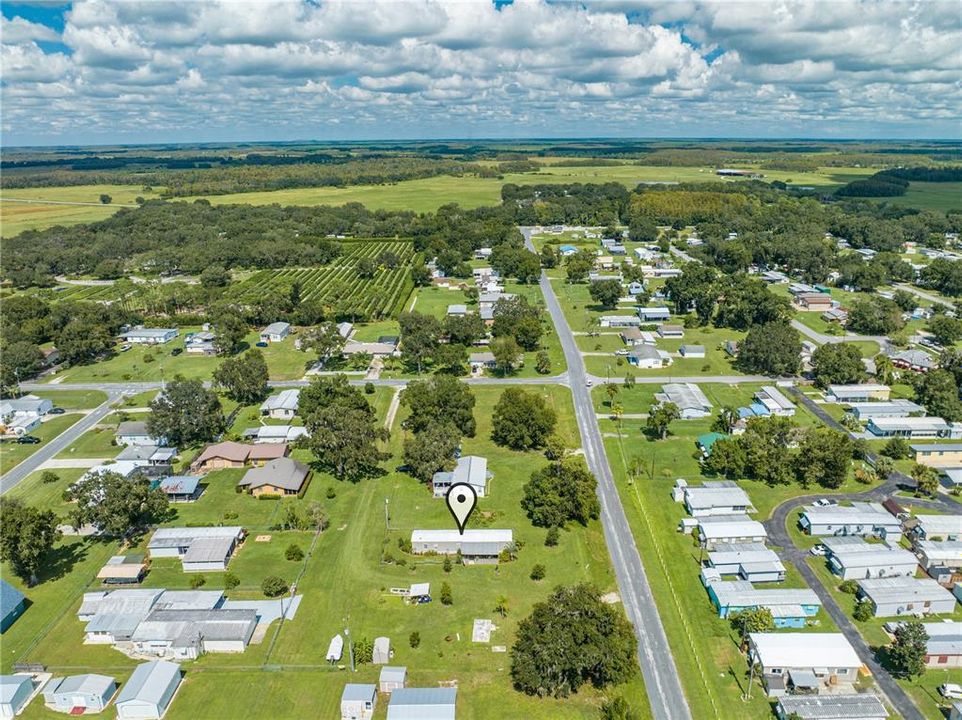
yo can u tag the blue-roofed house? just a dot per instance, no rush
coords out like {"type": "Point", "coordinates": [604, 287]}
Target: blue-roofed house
{"type": "Point", "coordinates": [358, 701]}
{"type": "Point", "coordinates": [567, 250]}
{"type": "Point", "coordinates": [422, 704]}
{"type": "Point", "coordinates": [12, 605]}
{"type": "Point", "coordinates": [148, 692]}
{"type": "Point", "coordinates": [15, 691]}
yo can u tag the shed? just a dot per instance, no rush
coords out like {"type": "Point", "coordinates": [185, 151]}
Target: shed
{"type": "Point", "coordinates": [148, 692]}
{"type": "Point", "coordinates": [79, 693]}
{"type": "Point", "coordinates": [15, 691]}
{"type": "Point", "coordinates": [12, 605]}
{"type": "Point", "coordinates": [692, 351]}
{"type": "Point", "coordinates": [422, 704]}
{"type": "Point", "coordinates": [392, 678]}
{"type": "Point", "coordinates": [381, 654]}
{"type": "Point", "coordinates": [358, 701]}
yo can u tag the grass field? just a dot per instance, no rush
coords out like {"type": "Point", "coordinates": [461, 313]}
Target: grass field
{"type": "Point", "coordinates": [929, 196]}
{"type": "Point", "coordinates": [345, 582]}
{"type": "Point", "coordinates": [422, 195]}
{"type": "Point", "coordinates": [13, 453]}
{"type": "Point", "coordinates": [16, 216]}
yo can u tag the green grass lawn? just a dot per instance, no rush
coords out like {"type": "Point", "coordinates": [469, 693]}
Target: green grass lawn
{"type": "Point", "coordinates": [73, 399]}
{"type": "Point", "coordinates": [13, 453]}
{"type": "Point", "coordinates": [929, 196]}
{"type": "Point", "coordinates": [47, 496]}
{"type": "Point", "coordinates": [95, 443]}
{"type": "Point", "coordinates": [345, 582]}
{"type": "Point", "coordinates": [283, 362]}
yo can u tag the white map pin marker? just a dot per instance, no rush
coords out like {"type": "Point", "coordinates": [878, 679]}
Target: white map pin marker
{"type": "Point", "coordinates": [461, 500]}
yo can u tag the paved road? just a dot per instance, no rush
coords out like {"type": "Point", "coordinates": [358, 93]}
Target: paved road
{"type": "Point", "coordinates": [924, 295]}
{"type": "Point", "coordinates": [821, 338]}
{"type": "Point", "coordinates": [657, 664]}
{"type": "Point", "coordinates": [59, 443]}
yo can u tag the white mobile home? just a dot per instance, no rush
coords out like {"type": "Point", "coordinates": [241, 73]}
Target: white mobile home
{"type": "Point", "coordinates": [749, 561]}
{"type": "Point", "coordinates": [717, 497]}
{"type": "Point", "coordinates": [861, 518]}
{"type": "Point", "coordinates": [423, 704]}
{"type": "Point", "coordinates": [15, 691]}
{"type": "Point", "coordinates": [715, 530]}
{"type": "Point", "coordinates": [851, 558]}
{"type": "Point", "coordinates": [90, 693]}
{"type": "Point", "coordinates": [810, 663]}
{"type": "Point", "coordinates": [899, 408]}
{"type": "Point", "coordinates": [475, 546]}
{"type": "Point", "coordinates": [775, 401]}
{"type": "Point", "coordinates": [688, 398]}
{"type": "Point", "coordinates": [865, 392]}
{"type": "Point", "coordinates": [909, 427]}
{"type": "Point", "coordinates": [275, 332]}
{"type": "Point", "coordinates": [150, 336]}
{"type": "Point", "coordinates": [199, 548]}
{"type": "Point", "coordinates": [941, 527]}
{"type": "Point", "coordinates": [858, 706]}
{"type": "Point", "coordinates": [894, 596]}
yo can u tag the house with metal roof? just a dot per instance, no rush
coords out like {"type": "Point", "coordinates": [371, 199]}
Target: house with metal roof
{"type": "Point", "coordinates": [392, 678]}
{"type": "Point", "coordinates": [893, 596]}
{"type": "Point", "coordinates": [149, 691]}
{"type": "Point", "coordinates": [275, 332]}
{"type": "Point", "coordinates": [470, 469]}
{"type": "Point", "coordinates": [944, 646]}
{"type": "Point", "coordinates": [942, 554]}
{"type": "Point", "coordinates": [774, 401]}
{"type": "Point", "coordinates": [620, 321]}
{"type": "Point", "coordinates": [15, 692]}
{"type": "Point", "coordinates": [150, 336]}
{"type": "Point", "coordinates": [747, 561]}
{"type": "Point", "coordinates": [812, 663]}
{"type": "Point", "coordinates": [860, 518]}
{"type": "Point", "coordinates": [909, 427]}
{"type": "Point", "coordinates": [714, 530]}
{"type": "Point", "coordinates": [12, 604]}
{"type": "Point", "coordinates": [275, 434]}
{"type": "Point", "coordinates": [851, 558]}
{"type": "Point", "coordinates": [199, 548]}
{"type": "Point", "coordinates": [282, 406]}
{"type": "Point", "coordinates": [939, 455]}
{"type": "Point", "coordinates": [716, 497]}
{"type": "Point", "coordinates": [898, 408]}
{"type": "Point", "coordinates": [358, 701]}
{"type": "Point", "coordinates": [914, 360]}
{"type": "Point", "coordinates": [26, 406]}
{"type": "Point", "coordinates": [187, 634]}
{"type": "Point", "coordinates": [475, 546]}
{"type": "Point", "coordinates": [671, 331]}
{"type": "Point", "coordinates": [180, 488]}
{"type": "Point", "coordinates": [687, 397]}
{"type": "Point", "coordinates": [134, 432]}
{"type": "Point", "coordinates": [647, 356]}
{"type": "Point", "coordinates": [790, 607]}
{"type": "Point", "coordinates": [120, 570]}
{"type": "Point", "coordinates": [692, 351]}
{"type": "Point", "coordinates": [423, 704]}
{"type": "Point", "coordinates": [859, 706]}
{"type": "Point", "coordinates": [283, 476]}
{"type": "Point", "coordinates": [941, 527]}
{"type": "Point", "coordinates": [863, 392]}
{"type": "Point", "coordinates": [200, 343]}
{"type": "Point", "coordinates": [654, 314]}
{"type": "Point", "coordinates": [79, 694]}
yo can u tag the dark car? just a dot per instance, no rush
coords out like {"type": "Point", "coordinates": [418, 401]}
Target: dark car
{"type": "Point", "coordinates": [28, 440]}
{"type": "Point", "coordinates": [56, 411]}
{"type": "Point", "coordinates": [176, 351]}
{"type": "Point", "coordinates": [261, 344]}
{"type": "Point", "coordinates": [423, 599]}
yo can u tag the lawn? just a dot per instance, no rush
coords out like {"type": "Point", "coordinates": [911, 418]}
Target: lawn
{"type": "Point", "coordinates": [283, 361]}
{"type": "Point", "coordinates": [345, 583]}
{"type": "Point", "coordinates": [929, 196]}
{"type": "Point", "coordinates": [47, 496]}
{"type": "Point", "coordinates": [73, 399]}
{"type": "Point", "coordinates": [13, 453]}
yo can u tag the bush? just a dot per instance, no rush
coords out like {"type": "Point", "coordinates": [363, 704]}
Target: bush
{"type": "Point", "coordinates": [49, 476]}
{"type": "Point", "coordinates": [404, 545]}
{"type": "Point", "coordinates": [538, 572]}
{"type": "Point", "coordinates": [273, 586]}
{"type": "Point", "coordinates": [231, 581]}
{"type": "Point", "coordinates": [414, 639]}
{"type": "Point", "coordinates": [198, 581]}
{"type": "Point", "coordinates": [897, 448]}
{"type": "Point", "coordinates": [369, 388]}
{"type": "Point", "coordinates": [363, 651]}
{"type": "Point", "coordinates": [863, 611]}
{"type": "Point", "coordinates": [446, 597]}
{"type": "Point", "coordinates": [331, 493]}
{"type": "Point", "coordinates": [294, 552]}
{"type": "Point", "coordinates": [552, 537]}
{"type": "Point", "coordinates": [849, 587]}
{"type": "Point", "coordinates": [447, 565]}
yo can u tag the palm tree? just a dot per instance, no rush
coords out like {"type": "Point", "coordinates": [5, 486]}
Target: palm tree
{"type": "Point", "coordinates": [726, 419]}
{"type": "Point", "coordinates": [884, 370]}
{"type": "Point", "coordinates": [617, 411]}
{"type": "Point", "coordinates": [501, 606]}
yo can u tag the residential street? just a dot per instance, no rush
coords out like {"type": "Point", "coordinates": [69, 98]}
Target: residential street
{"type": "Point", "coordinates": [59, 443]}
{"type": "Point", "coordinates": [657, 664]}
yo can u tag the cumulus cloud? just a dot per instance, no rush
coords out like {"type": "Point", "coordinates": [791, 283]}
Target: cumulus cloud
{"type": "Point", "coordinates": [192, 69]}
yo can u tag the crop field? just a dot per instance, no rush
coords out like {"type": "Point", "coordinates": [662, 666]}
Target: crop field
{"type": "Point", "coordinates": [338, 284]}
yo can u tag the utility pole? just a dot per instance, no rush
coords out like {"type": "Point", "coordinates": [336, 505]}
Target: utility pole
{"type": "Point", "coordinates": [387, 514]}
{"type": "Point", "coordinates": [350, 646]}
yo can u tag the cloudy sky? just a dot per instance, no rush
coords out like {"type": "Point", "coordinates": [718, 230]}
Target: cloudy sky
{"type": "Point", "coordinates": [111, 71]}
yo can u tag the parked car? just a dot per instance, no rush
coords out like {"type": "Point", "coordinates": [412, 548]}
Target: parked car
{"type": "Point", "coordinates": [818, 550]}
{"type": "Point", "coordinates": [423, 599]}
{"type": "Point", "coordinates": [176, 351]}
{"type": "Point", "coordinates": [951, 691]}
{"type": "Point", "coordinates": [587, 383]}
{"type": "Point", "coordinates": [125, 347]}
{"type": "Point", "coordinates": [56, 411]}
{"type": "Point", "coordinates": [261, 344]}
{"type": "Point", "coordinates": [28, 440]}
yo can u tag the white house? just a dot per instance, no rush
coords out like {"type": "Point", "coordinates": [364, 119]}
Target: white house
{"type": "Point", "coordinates": [861, 518]}
{"type": "Point", "coordinates": [134, 432]}
{"type": "Point", "coordinates": [851, 558]}
{"type": "Point", "coordinates": [749, 561]}
{"type": "Point", "coordinates": [476, 546]}
{"type": "Point", "coordinates": [688, 397]}
{"type": "Point", "coordinates": [90, 692]}
{"type": "Point", "coordinates": [358, 701]}
{"type": "Point", "coordinates": [945, 554]}
{"type": "Point", "coordinates": [692, 351]}
{"type": "Point", "coordinates": [275, 332]}
{"type": "Point", "coordinates": [199, 548]}
{"type": "Point", "coordinates": [809, 663]}
{"type": "Point", "coordinates": [620, 321]}
{"type": "Point", "coordinates": [899, 408]}
{"type": "Point", "coordinates": [423, 704]}
{"type": "Point", "coordinates": [892, 596]}
{"type": "Point", "coordinates": [714, 497]}
{"type": "Point", "coordinates": [654, 314]}
{"type": "Point", "coordinates": [15, 691]}
{"type": "Point", "coordinates": [27, 406]}
{"type": "Point", "coordinates": [648, 357]}
{"type": "Point", "coordinates": [282, 406]}
{"type": "Point", "coordinates": [149, 691]}
{"type": "Point", "coordinates": [941, 527]}
{"type": "Point", "coordinates": [714, 530]}
{"type": "Point", "coordinates": [909, 427]}
{"type": "Point", "coordinates": [775, 401]}
{"type": "Point", "coordinates": [865, 392]}
{"type": "Point", "coordinates": [150, 336]}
